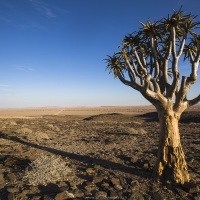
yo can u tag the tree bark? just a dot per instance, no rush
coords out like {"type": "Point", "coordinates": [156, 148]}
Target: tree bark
{"type": "Point", "coordinates": [171, 164]}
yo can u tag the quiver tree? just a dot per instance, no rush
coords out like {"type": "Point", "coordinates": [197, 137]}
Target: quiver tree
{"type": "Point", "coordinates": [148, 61]}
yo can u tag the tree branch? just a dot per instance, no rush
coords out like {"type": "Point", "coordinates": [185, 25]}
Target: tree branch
{"type": "Point", "coordinates": [176, 76]}
{"type": "Point", "coordinates": [181, 94]}
{"type": "Point", "coordinates": [155, 85]}
{"type": "Point", "coordinates": [181, 47]}
{"type": "Point", "coordinates": [173, 35]}
{"type": "Point", "coordinates": [166, 61]}
{"type": "Point", "coordinates": [139, 61]}
{"type": "Point", "coordinates": [154, 50]}
{"type": "Point", "coordinates": [130, 67]}
{"type": "Point", "coordinates": [194, 101]}
{"type": "Point", "coordinates": [131, 83]}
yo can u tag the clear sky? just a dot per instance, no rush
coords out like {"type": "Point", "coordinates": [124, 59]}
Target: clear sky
{"type": "Point", "coordinates": [52, 51]}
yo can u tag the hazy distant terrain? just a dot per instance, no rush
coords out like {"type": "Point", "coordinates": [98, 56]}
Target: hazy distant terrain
{"type": "Point", "coordinates": [111, 152]}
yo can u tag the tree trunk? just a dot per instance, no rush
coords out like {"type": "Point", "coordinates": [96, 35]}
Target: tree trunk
{"type": "Point", "coordinates": [171, 164]}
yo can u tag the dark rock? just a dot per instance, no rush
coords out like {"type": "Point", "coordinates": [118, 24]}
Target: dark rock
{"type": "Point", "coordinates": [64, 195]}
{"type": "Point", "coordinates": [124, 183]}
{"type": "Point", "coordinates": [64, 188]}
{"type": "Point", "coordinates": [2, 180]}
{"type": "Point", "coordinates": [158, 195]}
{"type": "Point", "coordinates": [10, 177]}
{"type": "Point", "coordinates": [89, 186]}
{"type": "Point", "coordinates": [11, 196]}
{"type": "Point", "coordinates": [78, 194]}
{"type": "Point", "coordinates": [136, 196]}
{"type": "Point", "coordinates": [135, 183]}
{"type": "Point", "coordinates": [118, 187]}
{"type": "Point", "coordinates": [88, 183]}
{"type": "Point", "coordinates": [191, 187]}
{"type": "Point", "coordinates": [100, 195]}
{"type": "Point", "coordinates": [146, 166]}
{"type": "Point", "coordinates": [2, 185]}
{"type": "Point", "coordinates": [113, 195]}
{"type": "Point", "coordinates": [134, 159]}
{"type": "Point", "coordinates": [12, 189]}
{"type": "Point", "coordinates": [90, 171]}
{"type": "Point", "coordinates": [115, 181]}
{"type": "Point", "coordinates": [48, 189]}
{"type": "Point", "coordinates": [46, 197]}
{"type": "Point", "coordinates": [98, 179]}
{"type": "Point", "coordinates": [105, 186]}
{"type": "Point", "coordinates": [25, 192]}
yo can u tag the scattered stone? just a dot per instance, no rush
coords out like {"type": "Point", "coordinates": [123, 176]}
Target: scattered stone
{"type": "Point", "coordinates": [113, 195]}
{"type": "Point", "coordinates": [25, 192]}
{"type": "Point", "coordinates": [79, 194]}
{"type": "Point", "coordinates": [12, 190]}
{"type": "Point", "coordinates": [35, 188]}
{"type": "Point", "coordinates": [134, 159]}
{"type": "Point", "coordinates": [105, 186]}
{"type": "Point", "coordinates": [2, 185]}
{"type": "Point", "coordinates": [11, 196]}
{"type": "Point", "coordinates": [89, 186]}
{"type": "Point", "coordinates": [46, 197]}
{"type": "Point", "coordinates": [90, 171]}
{"type": "Point", "coordinates": [64, 195]}
{"type": "Point", "coordinates": [115, 181]}
{"type": "Point", "coordinates": [146, 166]}
{"type": "Point", "coordinates": [135, 184]}
{"type": "Point", "coordinates": [100, 195]}
{"type": "Point", "coordinates": [118, 187]}
{"type": "Point", "coordinates": [2, 180]}
{"type": "Point", "coordinates": [64, 188]}
{"type": "Point", "coordinates": [136, 196]}
{"type": "Point", "coordinates": [10, 177]}
{"type": "Point", "coordinates": [39, 198]}
{"type": "Point", "coordinates": [97, 179]}
{"type": "Point", "coordinates": [158, 195]}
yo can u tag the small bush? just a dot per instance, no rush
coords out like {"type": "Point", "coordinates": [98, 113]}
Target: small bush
{"type": "Point", "coordinates": [37, 136]}
{"type": "Point", "coordinates": [46, 169]}
{"type": "Point", "coordinates": [139, 131]}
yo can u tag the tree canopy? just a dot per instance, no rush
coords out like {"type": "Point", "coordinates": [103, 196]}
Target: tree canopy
{"type": "Point", "coordinates": [148, 60]}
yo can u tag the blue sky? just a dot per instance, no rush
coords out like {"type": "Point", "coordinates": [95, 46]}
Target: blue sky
{"type": "Point", "coordinates": [52, 51]}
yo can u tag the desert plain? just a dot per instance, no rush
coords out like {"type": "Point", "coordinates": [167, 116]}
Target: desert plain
{"type": "Point", "coordinates": [91, 153]}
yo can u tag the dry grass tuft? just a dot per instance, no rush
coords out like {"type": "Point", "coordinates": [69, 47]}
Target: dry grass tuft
{"type": "Point", "coordinates": [37, 136]}
{"type": "Point", "coordinates": [46, 169]}
{"type": "Point", "coordinates": [139, 131]}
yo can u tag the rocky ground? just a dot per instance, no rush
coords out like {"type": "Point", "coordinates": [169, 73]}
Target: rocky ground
{"type": "Point", "coordinates": [107, 156]}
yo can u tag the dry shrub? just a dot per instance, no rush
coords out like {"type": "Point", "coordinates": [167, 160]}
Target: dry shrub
{"type": "Point", "coordinates": [46, 169]}
{"type": "Point", "coordinates": [24, 131]}
{"type": "Point", "coordinates": [53, 127]}
{"type": "Point", "coordinates": [139, 131]}
{"type": "Point", "coordinates": [12, 123]}
{"type": "Point", "coordinates": [37, 136]}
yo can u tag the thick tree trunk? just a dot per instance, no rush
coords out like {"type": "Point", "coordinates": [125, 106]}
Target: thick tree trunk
{"type": "Point", "coordinates": [171, 164]}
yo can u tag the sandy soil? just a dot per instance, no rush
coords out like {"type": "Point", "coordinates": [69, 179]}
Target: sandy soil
{"type": "Point", "coordinates": [111, 152]}
{"type": "Point", "coordinates": [77, 111]}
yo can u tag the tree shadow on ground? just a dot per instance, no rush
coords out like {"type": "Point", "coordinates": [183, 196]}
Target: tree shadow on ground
{"type": "Point", "coordinates": [149, 117]}
{"type": "Point", "coordinates": [186, 117]}
{"type": "Point", "coordinates": [86, 159]}
{"type": "Point", "coordinates": [190, 117]}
